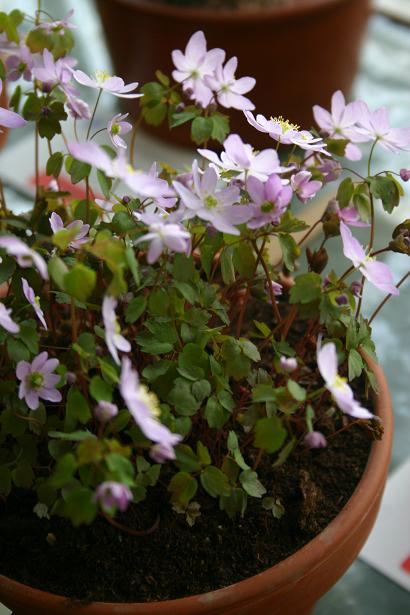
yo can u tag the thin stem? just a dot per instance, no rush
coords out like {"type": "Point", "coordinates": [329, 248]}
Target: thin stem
{"type": "Point", "coordinates": [370, 158]}
{"type": "Point", "coordinates": [73, 311]}
{"type": "Point", "coordinates": [36, 160]}
{"type": "Point", "coordinates": [309, 232]}
{"type": "Point", "coordinates": [97, 132]}
{"type": "Point", "coordinates": [385, 300]}
{"type": "Point", "coordinates": [359, 303]}
{"type": "Point", "coordinates": [269, 280]}
{"type": "Point", "coordinates": [93, 115]}
{"type": "Point", "coordinates": [129, 530]}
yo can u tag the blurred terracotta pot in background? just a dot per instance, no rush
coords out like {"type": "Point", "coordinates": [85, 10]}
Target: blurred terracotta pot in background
{"type": "Point", "coordinates": [4, 131]}
{"type": "Point", "coordinates": [299, 52]}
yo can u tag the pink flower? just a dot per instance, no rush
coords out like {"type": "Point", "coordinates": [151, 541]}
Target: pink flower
{"type": "Point", "coordinates": [315, 439]}
{"type": "Point", "coordinates": [303, 186]}
{"type": "Point", "coordinates": [244, 160]}
{"type": "Point", "coordinates": [25, 257]}
{"type": "Point", "coordinates": [269, 200]}
{"type": "Point", "coordinates": [229, 91]}
{"type": "Point", "coordinates": [80, 237]}
{"type": "Point", "coordinates": [105, 411]}
{"type": "Point", "coordinates": [163, 234]}
{"type": "Point", "coordinates": [208, 203]}
{"type": "Point", "coordinates": [117, 127]}
{"type": "Point", "coordinates": [286, 133]}
{"type": "Point", "coordinates": [377, 273]}
{"type": "Point", "coordinates": [112, 495]}
{"type": "Point", "coordinates": [405, 174]}
{"type": "Point", "coordinates": [348, 215]}
{"type": "Point", "coordinates": [196, 64]}
{"type": "Point", "coordinates": [105, 82]}
{"type": "Point", "coordinates": [288, 364]}
{"type": "Point", "coordinates": [5, 320]}
{"type": "Point", "coordinates": [20, 63]}
{"type": "Point", "coordinates": [376, 126]}
{"type": "Point", "coordinates": [144, 407]}
{"type": "Point", "coordinates": [113, 337]}
{"type": "Point", "coordinates": [10, 119]}
{"type": "Point", "coordinates": [340, 123]}
{"type": "Point", "coordinates": [338, 387]}
{"type": "Point", "coordinates": [38, 380]}
{"type": "Point", "coordinates": [34, 301]}
{"type": "Point", "coordinates": [54, 72]}
{"type": "Point", "coordinates": [58, 25]}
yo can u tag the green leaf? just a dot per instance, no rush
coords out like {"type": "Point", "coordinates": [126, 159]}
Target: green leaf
{"type": "Point", "coordinates": [80, 282]}
{"type": "Point", "coordinates": [100, 390]}
{"type": "Point", "coordinates": [183, 488]}
{"type": "Point", "coordinates": [249, 349]}
{"type": "Point", "coordinates": [185, 458]}
{"type": "Point", "coordinates": [80, 507]}
{"type": "Point", "coordinates": [386, 189]}
{"type": "Point", "coordinates": [63, 471]}
{"type": "Point", "coordinates": [75, 436]}
{"type": "Point", "coordinates": [220, 126]}
{"type": "Point", "coordinates": [203, 454]}
{"type": "Point", "coordinates": [290, 250]}
{"type": "Point", "coordinates": [244, 260]}
{"type": "Point", "coordinates": [58, 270]}
{"type": "Point", "coordinates": [17, 351]}
{"type": "Point", "coordinates": [235, 503]}
{"type": "Point", "coordinates": [201, 389]}
{"type": "Point", "coordinates": [23, 475]}
{"type": "Point", "coordinates": [215, 414]}
{"type": "Point", "coordinates": [263, 392]}
{"type": "Point", "coordinates": [77, 410]}
{"type": "Point", "coordinates": [345, 192]}
{"type": "Point", "coordinates": [54, 164]}
{"type": "Point", "coordinates": [355, 363]}
{"type": "Point", "coordinates": [297, 392]}
{"type": "Point", "coordinates": [307, 288]}
{"type": "Point", "coordinates": [233, 447]}
{"type": "Point", "coordinates": [201, 129]}
{"type": "Point", "coordinates": [78, 170]}
{"type": "Point", "coordinates": [187, 291]}
{"type": "Point", "coordinates": [177, 119]}
{"type": "Point", "coordinates": [182, 398]}
{"type": "Point", "coordinates": [104, 182]}
{"type": "Point", "coordinates": [337, 146]}
{"type": "Point", "coordinates": [215, 482]}
{"type": "Point", "coordinates": [252, 485]}
{"type": "Point", "coordinates": [132, 263]}
{"type": "Point", "coordinates": [269, 434]}
{"type": "Point", "coordinates": [227, 266]}
{"type": "Point", "coordinates": [135, 309]}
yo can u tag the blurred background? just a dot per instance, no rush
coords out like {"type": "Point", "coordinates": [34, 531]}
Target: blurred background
{"type": "Point", "coordinates": [299, 57]}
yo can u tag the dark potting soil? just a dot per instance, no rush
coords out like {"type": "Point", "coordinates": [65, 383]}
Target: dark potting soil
{"type": "Point", "coordinates": [100, 563]}
{"type": "Point", "coordinates": [228, 4]}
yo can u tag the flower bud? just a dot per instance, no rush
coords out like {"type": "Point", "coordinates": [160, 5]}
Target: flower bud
{"type": "Point", "coordinates": [341, 300]}
{"type": "Point", "coordinates": [315, 439]}
{"type": "Point", "coordinates": [180, 107]}
{"type": "Point", "coordinates": [71, 378]}
{"type": "Point", "coordinates": [405, 174]}
{"type": "Point", "coordinates": [105, 411]}
{"type": "Point", "coordinates": [317, 260]}
{"type": "Point", "coordinates": [356, 288]}
{"type": "Point", "coordinates": [125, 200]}
{"type": "Point", "coordinates": [288, 364]}
{"type": "Point", "coordinates": [212, 107]}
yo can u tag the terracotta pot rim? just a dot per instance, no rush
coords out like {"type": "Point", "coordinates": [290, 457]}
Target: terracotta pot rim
{"type": "Point", "coordinates": [286, 572]}
{"type": "Point", "coordinates": [240, 16]}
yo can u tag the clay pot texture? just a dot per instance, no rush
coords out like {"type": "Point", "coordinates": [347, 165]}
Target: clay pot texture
{"type": "Point", "coordinates": [292, 587]}
{"type": "Point", "coordinates": [299, 52]}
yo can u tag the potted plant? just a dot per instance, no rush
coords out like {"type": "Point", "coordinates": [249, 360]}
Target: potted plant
{"type": "Point", "coordinates": [299, 51]}
{"type": "Point", "coordinates": [178, 431]}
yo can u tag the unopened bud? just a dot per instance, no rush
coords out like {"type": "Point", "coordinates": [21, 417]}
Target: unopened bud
{"type": "Point", "coordinates": [341, 300]}
{"type": "Point", "coordinates": [125, 200]}
{"type": "Point", "coordinates": [356, 288]}
{"type": "Point", "coordinates": [317, 260]}
{"type": "Point", "coordinates": [180, 107]}
{"type": "Point", "coordinates": [212, 107]}
{"type": "Point", "coordinates": [405, 174]}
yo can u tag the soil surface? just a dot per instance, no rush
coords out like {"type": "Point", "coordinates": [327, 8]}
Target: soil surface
{"type": "Point", "coordinates": [100, 563]}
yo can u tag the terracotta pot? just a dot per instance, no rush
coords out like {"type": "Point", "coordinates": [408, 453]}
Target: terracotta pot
{"type": "Point", "coordinates": [292, 587]}
{"type": "Point", "coordinates": [299, 53]}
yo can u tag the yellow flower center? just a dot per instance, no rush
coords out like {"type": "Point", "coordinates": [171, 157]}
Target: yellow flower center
{"type": "Point", "coordinates": [285, 124]}
{"type": "Point", "coordinates": [101, 76]}
{"type": "Point", "coordinates": [149, 399]}
{"type": "Point", "coordinates": [210, 202]}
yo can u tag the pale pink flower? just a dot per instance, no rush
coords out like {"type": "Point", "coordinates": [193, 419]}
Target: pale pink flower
{"type": "Point", "coordinates": [144, 407]}
{"type": "Point", "coordinates": [10, 119]}
{"type": "Point", "coordinates": [194, 65]}
{"type": "Point", "coordinates": [53, 72]}
{"type": "Point", "coordinates": [113, 338]}
{"type": "Point", "coordinates": [19, 63]}
{"type": "Point", "coordinates": [163, 234]}
{"type": "Point", "coordinates": [241, 158]}
{"type": "Point", "coordinates": [228, 90]}
{"type": "Point", "coordinates": [6, 321]}
{"type": "Point", "coordinates": [34, 301]}
{"type": "Point", "coordinates": [59, 25]}
{"type": "Point", "coordinates": [376, 126]}
{"type": "Point", "coordinates": [303, 186]}
{"type": "Point", "coordinates": [117, 127]}
{"type": "Point", "coordinates": [337, 386]}
{"type": "Point", "coordinates": [340, 123]}
{"type": "Point", "coordinates": [25, 256]}
{"type": "Point", "coordinates": [348, 215]}
{"type": "Point", "coordinates": [209, 203]}
{"type": "Point", "coordinates": [286, 133]}
{"type": "Point", "coordinates": [80, 237]}
{"type": "Point", "coordinates": [38, 380]}
{"type": "Point", "coordinates": [105, 82]}
{"type": "Point", "coordinates": [379, 274]}
{"type": "Point", "coordinates": [269, 200]}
